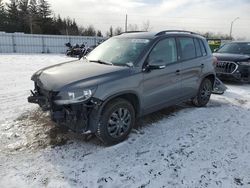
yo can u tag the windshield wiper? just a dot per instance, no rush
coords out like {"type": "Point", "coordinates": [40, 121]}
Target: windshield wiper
{"type": "Point", "coordinates": [101, 62]}
{"type": "Point", "coordinates": [124, 64]}
{"type": "Point", "coordinates": [129, 64]}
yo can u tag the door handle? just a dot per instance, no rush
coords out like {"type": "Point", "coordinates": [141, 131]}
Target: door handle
{"type": "Point", "coordinates": [202, 65]}
{"type": "Point", "coordinates": [177, 72]}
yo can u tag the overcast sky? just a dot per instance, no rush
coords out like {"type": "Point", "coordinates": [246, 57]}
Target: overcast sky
{"type": "Point", "coordinates": [195, 15]}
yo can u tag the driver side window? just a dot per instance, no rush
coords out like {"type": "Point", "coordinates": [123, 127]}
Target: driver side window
{"type": "Point", "coordinates": [164, 52]}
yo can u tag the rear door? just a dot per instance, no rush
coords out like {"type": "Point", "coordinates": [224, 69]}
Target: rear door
{"type": "Point", "coordinates": [191, 65]}
{"type": "Point", "coordinates": [162, 85]}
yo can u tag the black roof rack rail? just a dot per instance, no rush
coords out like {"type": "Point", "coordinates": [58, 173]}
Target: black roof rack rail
{"type": "Point", "coordinates": [171, 31]}
{"type": "Point", "coordinates": [132, 32]}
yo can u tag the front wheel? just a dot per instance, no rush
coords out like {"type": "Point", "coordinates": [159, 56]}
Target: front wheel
{"type": "Point", "coordinates": [116, 122]}
{"type": "Point", "coordinates": [204, 93]}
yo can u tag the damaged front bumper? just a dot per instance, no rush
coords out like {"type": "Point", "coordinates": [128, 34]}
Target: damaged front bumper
{"type": "Point", "coordinates": [78, 117]}
{"type": "Point", "coordinates": [219, 87]}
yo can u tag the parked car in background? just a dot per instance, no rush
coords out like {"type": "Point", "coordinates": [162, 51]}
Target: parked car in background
{"type": "Point", "coordinates": [124, 78]}
{"type": "Point", "coordinates": [214, 43]}
{"type": "Point", "coordinates": [233, 61]}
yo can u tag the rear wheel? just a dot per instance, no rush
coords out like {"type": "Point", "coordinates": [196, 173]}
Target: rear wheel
{"type": "Point", "coordinates": [204, 93]}
{"type": "Point", "coordinates": [116, 121]}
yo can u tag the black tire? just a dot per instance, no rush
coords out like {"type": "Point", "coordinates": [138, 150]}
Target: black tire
{"type": "Point", "coordinates": [116, 122]}
{"type": "Point", "coordinates": [204, 93]}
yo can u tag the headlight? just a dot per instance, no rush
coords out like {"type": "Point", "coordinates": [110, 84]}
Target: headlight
{"type": "Point", "coordinates": [75, 96]}
{"type": "Point", "coordinates": [80, 95]}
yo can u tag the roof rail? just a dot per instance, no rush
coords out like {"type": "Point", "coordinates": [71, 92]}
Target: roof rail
{"type": "Point", "coordinates": [171, 31]}
{"type": "Point", "coordinates": [132, 32]}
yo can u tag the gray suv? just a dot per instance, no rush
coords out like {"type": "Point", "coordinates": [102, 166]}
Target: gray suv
{"type": "Point", "coordinates": [124, 78]}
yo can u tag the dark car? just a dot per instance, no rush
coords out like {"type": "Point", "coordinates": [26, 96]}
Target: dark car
{"type": "Point", "coordinates": [234, 61]}
{"type": "Point", "coordinates": [124, 78]}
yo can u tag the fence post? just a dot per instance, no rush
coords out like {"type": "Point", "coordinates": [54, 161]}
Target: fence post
{"type": "Point", "coordinates": [13, 42]}
{"type": "Point", "coordinates": [0, 45]}
{"type": "Point", "coordinates": [43, 45]}
{"type": "Point", "coordinates": [95, 40]}
{"type": "Point", "coordinates": [70, 40]}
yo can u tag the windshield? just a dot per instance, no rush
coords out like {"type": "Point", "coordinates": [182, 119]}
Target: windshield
{"type": "Point", "coordinates": [235, 48]}
{"type": "Point", "coordinates": [118, 51]}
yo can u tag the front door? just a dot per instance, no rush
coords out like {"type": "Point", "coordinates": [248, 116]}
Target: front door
{"type": "Point", "coordinates": [162, 86]}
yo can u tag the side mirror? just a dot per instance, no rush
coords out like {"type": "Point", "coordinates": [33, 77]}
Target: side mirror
{"type": "Point", "coordinates": [156, 64]}
{"type": "Point", "coordinates": [216, 49]}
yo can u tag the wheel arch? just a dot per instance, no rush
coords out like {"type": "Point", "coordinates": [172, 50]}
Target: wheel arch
{"type": "Point", "coordinates": [130, 96]}
{"type": "Point", "coordinates": [210, 76]}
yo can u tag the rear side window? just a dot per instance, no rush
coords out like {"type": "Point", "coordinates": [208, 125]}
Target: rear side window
{"type": "Point", "coordinates": [197, 48]}
{"type": "Point", "coordinates": [203, 49]}
{"type": "Point", "coordinates": [164, 51]}
{"type": "Point", "coordinates": [187, 48]}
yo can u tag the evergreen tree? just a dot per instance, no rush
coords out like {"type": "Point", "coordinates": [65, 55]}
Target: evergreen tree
{"type": "Point", "coordinates": [34, 17]}
{"type": "Point", "coordinates": [1, 5]}
{"type": "Point", "coordinates": [99, 33]}
{"type": "Point", "coordinates": [65, 27]}
{"type": "Point", "coordinates": [2, 16]}
{"type": "Point", "coordinates": [90, 31]}
{"type": "Point", "coordinates": [118, 31]}
{"type": "Point", "coordinates": [110, 32]}
{"type": "Point", "coordinates": [44, 9]}
{"type": "Point", "coordinates": [81, 30]}
{"type": "Point", "coordinates": [74, 28]}
{"type": "Point", "coordinates": [60, 25]}
{"type": "Point", "coordinates": [44, 17]}
{"type": "Point", "coordinates": [24, 15]}
{"type": "Point", "coordinates": [33, 10]}
{"type": "Point", "coordinates": [13, 24]}
{"type": "Point", "coordinates": [54, 29]}
{"type": "Point", "coordinates": [68, 23]}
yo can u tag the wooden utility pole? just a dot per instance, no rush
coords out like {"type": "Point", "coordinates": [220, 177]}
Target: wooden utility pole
{"type": "Point", "coordinates": [231, 27]}
{"type": "Point", "coordinates": [126, 23]}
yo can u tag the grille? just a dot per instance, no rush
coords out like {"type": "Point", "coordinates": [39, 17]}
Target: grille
{"type": "Point", "coordinates": [226, 67]}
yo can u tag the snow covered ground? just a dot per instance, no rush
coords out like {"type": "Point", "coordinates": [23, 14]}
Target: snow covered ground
{"type": "Point", "coordinates": [180, 146]}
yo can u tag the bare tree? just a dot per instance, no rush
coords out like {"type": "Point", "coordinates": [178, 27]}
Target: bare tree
{"type": "Point", "coordinates": [133, 27]}
{"type": "Point", "coordinates": [90, 31]}
{"type": "Point", "coordinates": [99, 33]}
{"type": "Point", "coordinates": [146, 26]}
{"type": "Point", "coordinates": [110, 32]}
{"type": "Point", "coordinates": [213, 35]}
{"type": "Point", "coordinates": [118, 31]}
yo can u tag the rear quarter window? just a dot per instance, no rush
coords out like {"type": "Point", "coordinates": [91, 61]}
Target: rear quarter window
{"type": "Point", "coordinates": [203, 49]}
{"type": "Point", "coordinates": [197, 48]}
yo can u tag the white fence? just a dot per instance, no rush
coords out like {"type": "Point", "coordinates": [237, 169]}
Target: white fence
{"type": "Point", "coordinates": [29, 43]}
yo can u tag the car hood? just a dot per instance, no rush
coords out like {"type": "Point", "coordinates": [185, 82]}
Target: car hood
{"type": "Point", "coordinates": [83, 74]}
{"type": "Point", "coordinates": [231, 57]}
